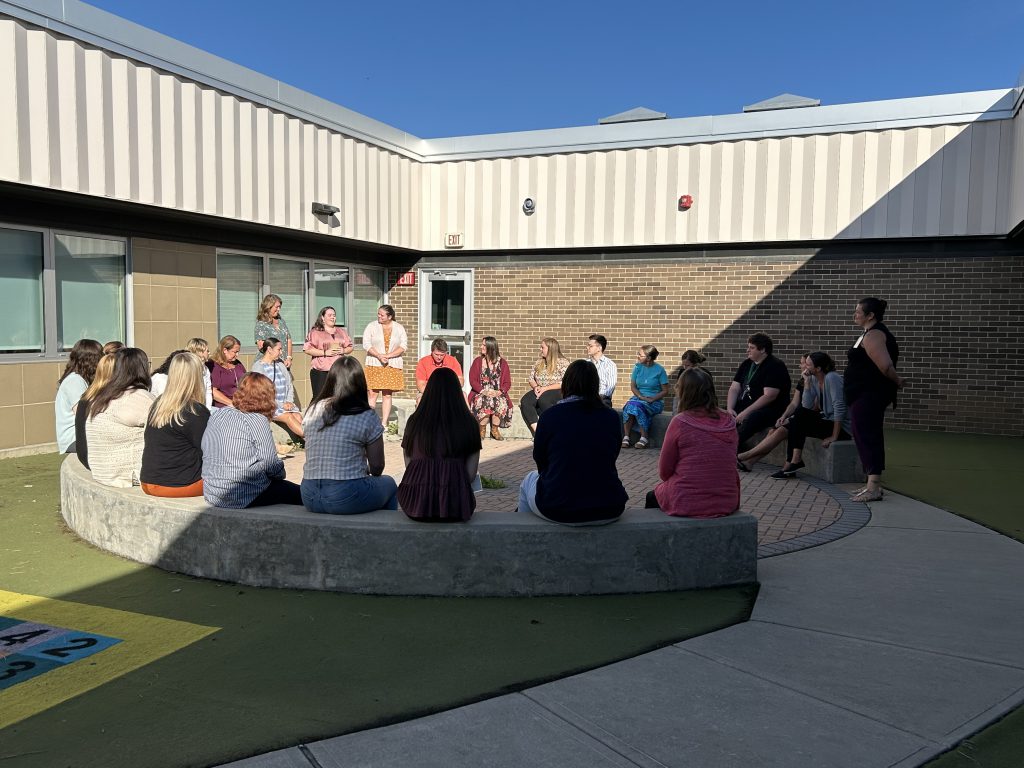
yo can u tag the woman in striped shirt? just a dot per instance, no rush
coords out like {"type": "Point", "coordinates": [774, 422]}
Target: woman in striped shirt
{"type": "Point", "coordinates": [241, 467]}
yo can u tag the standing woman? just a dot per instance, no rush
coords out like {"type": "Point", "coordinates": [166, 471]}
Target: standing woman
{"type": "Point", "coordinates": [325, 343]}
{"type": "Point", "coordinates": [649, 384]}
{"type": "Point", "coordinates": [489, 383]}
{"type": "Point", "coordinates": [870, 385]}
{"type": "Point", "coordinates": [545, 382]}
{"type": "Point", "coordinates": [77, 376]}
{"type": "Point", "coordinates": [226, 371]}
{"type": "Point", "coordinates": [345, 448]}
{"type": "Point", "coordinates": [172, 459]}
{"type": "Point", "coordinates": [270, 324]}
{"type": "Point", "coordinates": [270, 365]}
{"type": "Point", "coordinates": [442, 454]}
{"type": "Point", "coordinates": [241, 467]}
{"type": "Point", "coordinates": [385, 342]}
{"type": "Point", "coordinates": [117, 420]}
{"type": "Point", "coordinates": [697, 465]}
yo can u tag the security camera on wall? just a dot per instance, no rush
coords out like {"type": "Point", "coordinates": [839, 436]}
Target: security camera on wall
{"type": "Point", "coordinates": [529, 206]}
{"type": "Point", "coordinates": [323, 209]}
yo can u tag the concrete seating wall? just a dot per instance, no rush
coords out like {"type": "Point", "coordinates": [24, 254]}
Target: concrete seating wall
{"type": "Point", "coordinates": [494, 554]}
{"type": "Point", "coordinates": [839, 463]}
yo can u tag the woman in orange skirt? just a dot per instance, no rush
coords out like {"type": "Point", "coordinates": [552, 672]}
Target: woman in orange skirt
{"type": "Point", "coordinates": [385, 342]}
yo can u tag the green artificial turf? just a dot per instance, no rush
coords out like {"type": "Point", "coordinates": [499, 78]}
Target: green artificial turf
{"type": "Point", "coordinates": [288, 666]}
{"type": "Point", "coordinates": [974, 476]}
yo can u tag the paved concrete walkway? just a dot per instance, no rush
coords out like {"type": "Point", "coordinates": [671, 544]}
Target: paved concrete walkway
{"type": "Point", "coordinates": [883, 648]}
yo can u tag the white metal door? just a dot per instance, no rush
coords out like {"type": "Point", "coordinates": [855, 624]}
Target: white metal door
{"type": "Point", "coordinates": [446, 311]}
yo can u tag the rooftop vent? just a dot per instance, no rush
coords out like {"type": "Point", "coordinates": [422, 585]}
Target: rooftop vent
{"type": "Point", "coordinates": [782, 101]}
{"type": "Point", "coordinates": [636, 115]}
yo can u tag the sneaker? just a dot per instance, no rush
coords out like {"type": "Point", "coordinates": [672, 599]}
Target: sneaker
{"type": "Point", "coordinates": [787, 472]}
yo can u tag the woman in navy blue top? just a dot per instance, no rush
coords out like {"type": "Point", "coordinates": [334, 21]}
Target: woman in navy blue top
{"type": "Point", "coordinates": [577, 443]}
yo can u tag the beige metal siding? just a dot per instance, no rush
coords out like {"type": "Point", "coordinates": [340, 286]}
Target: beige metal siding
{"type": "Point", "coordinates": [1011, 177]}
{"type": "Point", "coordinates": [84, 120]}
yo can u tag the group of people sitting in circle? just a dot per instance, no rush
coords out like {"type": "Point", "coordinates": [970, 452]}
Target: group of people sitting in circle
{"type": "Point", "coordinates": [199, 426]}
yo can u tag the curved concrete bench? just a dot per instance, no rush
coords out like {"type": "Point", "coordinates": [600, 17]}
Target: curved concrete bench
{"type": "Point", "coordinates": [495, 553]}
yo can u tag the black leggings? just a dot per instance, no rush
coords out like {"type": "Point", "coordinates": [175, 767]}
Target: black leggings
{"type": "Point", "coordinates": [279, 492]}
{"type": "Point", "coordinates": [532, 406]}
{"type": "Point", "coordinates": [806, 423]}
{"type": "Point", "coordinates": [316, 380]}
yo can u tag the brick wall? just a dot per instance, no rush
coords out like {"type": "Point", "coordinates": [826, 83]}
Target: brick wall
{"type": "Point", "coordinates": [959, 320]}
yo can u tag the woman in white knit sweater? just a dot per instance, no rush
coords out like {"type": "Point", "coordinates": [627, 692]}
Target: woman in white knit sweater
{"type": "Point", "coordinates": [117, 421]}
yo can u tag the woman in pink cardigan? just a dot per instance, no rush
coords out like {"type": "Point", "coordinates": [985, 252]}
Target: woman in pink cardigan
{"type": "Point", "coordinates": [698, 457]}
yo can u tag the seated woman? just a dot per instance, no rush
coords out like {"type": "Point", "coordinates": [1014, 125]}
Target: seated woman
{"type": "Point", "coordinates": [271, 366]}
{"type": "Point", "coordinates": [545, 382]}
{"type": "Point", "coordinates": [201, 349]}
{"type": "Point", "coordinates": [78, 374]}
{"type": "Point", "coordinates": [577, 443]}
{"type": "Point", "coordinates": [780, 432]}
{"type": "Point", "coordinates": [104, 372]}
{"type": "Point", "coordinates": [116, 424]}
{"type": "Point", "coordinates": [489, 383]}
{"type": "Point", "coordinates": [697, 462]}
{"type": "Point", "coordinates": [649, 384]}
{"type": "Point", "coordinates": [442, 452]}
{"type": "Point", "coordinates": [345, 447]}
{"type": "Point", "coordinates": [158, 379]}
{"type": "Point", "coordinates": [241, 467]}
{"type": "Point", "coordinates": [172, 459]}
{"type": "Point", "coordinates": [226, 370]}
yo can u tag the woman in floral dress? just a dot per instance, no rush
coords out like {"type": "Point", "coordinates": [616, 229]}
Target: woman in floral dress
{"type": "Point", "coordinates": [489, 382]}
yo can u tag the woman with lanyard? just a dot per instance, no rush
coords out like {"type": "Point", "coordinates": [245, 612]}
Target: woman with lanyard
{"type": "Point", "coordinates": [870, 385]}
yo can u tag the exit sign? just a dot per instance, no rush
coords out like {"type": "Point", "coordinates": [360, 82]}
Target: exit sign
{"type": "Point", "coordinates": [406, 278]}
{"type": "Point", "coordinates": [453, 240]}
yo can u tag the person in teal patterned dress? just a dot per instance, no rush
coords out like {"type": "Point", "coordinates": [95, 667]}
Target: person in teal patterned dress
{"type": "Point", "coordinates": [649, 384]}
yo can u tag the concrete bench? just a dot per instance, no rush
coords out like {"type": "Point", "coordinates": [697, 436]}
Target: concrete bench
{"type": "Point", "coordinates": [494, 554]}
{"type": "Point", "coordinates": [839, 463]}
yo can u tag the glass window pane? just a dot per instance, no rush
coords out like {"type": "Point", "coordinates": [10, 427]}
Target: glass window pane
{"type": "Point", "coordinates": [90, 289]}
{"type": "Point", "coordinates": [447, 304]}
{"type": "Point", "coordinates": [239, 284]}
{"type": "Point", "coordinates": [288, 280]}
{"type": "Point", "coordinates": [331, 290]}
{"type": "Point", "coordinates": [21, 290]}
{"type": "Point", "coordinates": [367, 296]}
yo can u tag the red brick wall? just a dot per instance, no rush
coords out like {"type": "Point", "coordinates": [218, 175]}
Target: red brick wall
{"type": "Point", "coordinates": [959, 320]}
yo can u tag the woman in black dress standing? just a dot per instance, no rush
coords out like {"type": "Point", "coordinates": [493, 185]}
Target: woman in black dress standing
{"type": "Point", "coordinates": [870, 385]}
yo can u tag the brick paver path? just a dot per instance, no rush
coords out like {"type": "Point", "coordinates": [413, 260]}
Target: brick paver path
{"type": "Point", "coordinates": [785, 509]}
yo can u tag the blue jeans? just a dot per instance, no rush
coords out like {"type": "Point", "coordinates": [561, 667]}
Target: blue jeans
{"type": "Point", "coordinates": [350, 497]}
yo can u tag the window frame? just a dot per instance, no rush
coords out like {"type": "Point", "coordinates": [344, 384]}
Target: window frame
{"type": "Point", "coordinates": [311, 309]}
{"type": "Point", "coordinates": [51, 351]}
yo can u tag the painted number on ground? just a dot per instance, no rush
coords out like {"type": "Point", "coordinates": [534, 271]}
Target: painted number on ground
{"type": "Point", "coordinates": [28, 649]}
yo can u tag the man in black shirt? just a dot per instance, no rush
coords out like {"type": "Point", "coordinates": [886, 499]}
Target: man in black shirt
{"type": "Point", "coordinates": [760, 389]}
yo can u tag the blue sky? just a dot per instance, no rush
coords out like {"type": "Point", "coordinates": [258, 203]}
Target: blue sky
{"type": "Point", "coordinates": [461, 67]}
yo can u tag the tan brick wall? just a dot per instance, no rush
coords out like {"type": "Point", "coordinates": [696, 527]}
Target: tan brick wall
{"type": "Point", "coordinates": [27, 391]}
{"type": "Point", "coordinates": [960, 321]}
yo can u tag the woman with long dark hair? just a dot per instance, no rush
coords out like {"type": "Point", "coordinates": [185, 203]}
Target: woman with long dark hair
{"type": "Point", "coordinates": [241, 467]}
{"type": "Point", "coordinates": [77, 376]}
{"type": "Point", "coordinates": [270, 365]}
{"type": "Point", "coordinates": [104, 373]}
{"type": "Point", "coordinates": [158, 378]}
{"type": "Point", "coordinates": [870, 385]}
{"type": "Point", "coordinates": [116, 424]}
{"type": "Point", "coordinates": [442, 452]}
{"type": "Point", "coordinates": [697, 465]}
{"type": "Point", "coordinates": [325, 343]}
{"type": "Point", "coordinates": [345, 447]}
{"type": "Point", "coordinates": [489, 383]}
{"type": "Point", "coordinates": [577, 443]}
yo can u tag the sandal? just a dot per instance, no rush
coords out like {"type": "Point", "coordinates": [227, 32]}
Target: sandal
{"type": "Point", "coordinates": [625, 442]}
{"type": "Point", "coordinates": [868, 494]}
{"type": "Point", "coordinates": [643, 442]}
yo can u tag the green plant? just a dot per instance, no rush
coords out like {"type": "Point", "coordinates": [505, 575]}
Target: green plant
{"type": "Point", "coordinates": [392, 428]}
{"type": "Point", "coordinates": [491, 483]}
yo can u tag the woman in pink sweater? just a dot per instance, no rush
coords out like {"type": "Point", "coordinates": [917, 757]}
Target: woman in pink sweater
{"type": "Point", "coordinates": [698, 458]}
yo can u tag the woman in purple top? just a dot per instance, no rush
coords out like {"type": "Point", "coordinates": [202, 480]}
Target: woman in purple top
{"type": "Point", "coordinates": [226, 370]}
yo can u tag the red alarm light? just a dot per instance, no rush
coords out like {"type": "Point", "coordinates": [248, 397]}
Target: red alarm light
{"type": "Point", "coordinates": [685, 202]}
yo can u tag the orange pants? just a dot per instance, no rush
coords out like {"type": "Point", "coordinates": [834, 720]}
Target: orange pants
{"type": "Point", "coordinates": [196, 489]}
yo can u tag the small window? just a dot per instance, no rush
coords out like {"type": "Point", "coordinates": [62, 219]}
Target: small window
{"type": "Point", "coordinates": [330, 286]}
{"type": "Point", "coordinates": [90, 274]}
{"type": "Point", "coordinates": [239, 286]}
{"type": "Point", "coordinates": [21, 291]}
{"type": "Point", "coordinates": [288, 280]}
{"type": "Point", "coordinates": [367, 295]}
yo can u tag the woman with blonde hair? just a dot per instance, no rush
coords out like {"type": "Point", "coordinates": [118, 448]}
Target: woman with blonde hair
{"type": "Point", "coordinates": [201, 348]}
{"type": "Point", "coordinates": [103, 374]}
{"type": "Point", "coordinates": [226, 370]}
{"type": "Point", "coordinates": [545, 382]}
{"type": "Point", "coordinates": [270, 324]}
{"type": "Point", "coordinates": [172, 458]}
